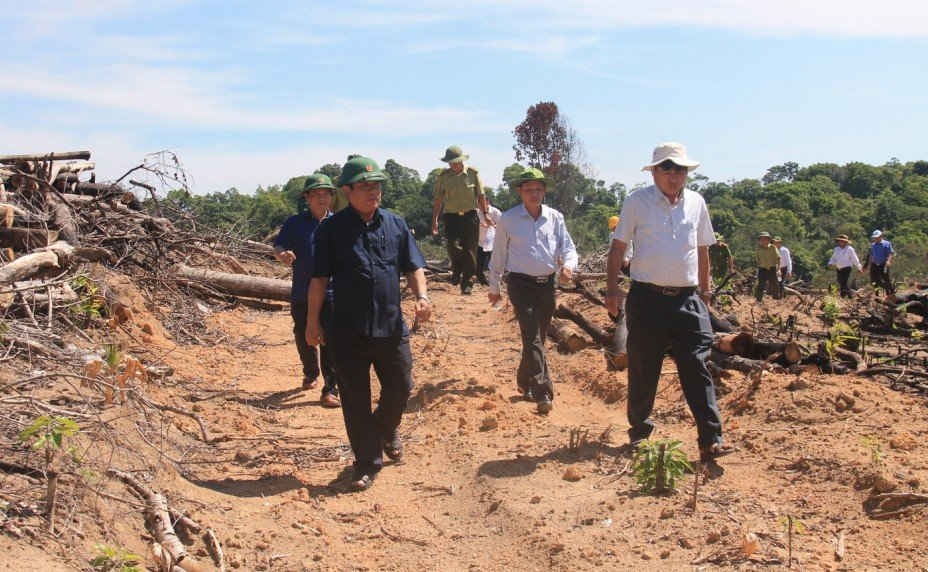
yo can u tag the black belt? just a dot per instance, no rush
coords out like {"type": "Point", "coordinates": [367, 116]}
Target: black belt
{"type": "Point", "coordinates": [665, 290]}
{"type": "Point", "coordinates": [546, 279]}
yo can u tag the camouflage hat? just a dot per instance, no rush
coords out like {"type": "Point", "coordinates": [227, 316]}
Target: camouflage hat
{"type": "Point", "coordinates": [318, 181]}
{"type": "Point", "coordinates": [360, 169]}
{"type": "Point", "coordinates": [777, 239]}
{"type": "Point", "coordinates": [764, 234]}
{"type": "Point", "coordinates": [529, 174]}
{"type": "Point", "coordinates": [454, 154]}
{"type": "Point", "coordinates": [719, 237]}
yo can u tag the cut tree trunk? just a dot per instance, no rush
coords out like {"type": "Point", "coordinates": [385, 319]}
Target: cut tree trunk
{"type": "Point", "coordinates": [568, 338]}
{"type": "Point", "coordinates": [28, 266]}
{"type": "Point", "coordinates": [26, 239]}
{"type": "Point", "coordinates": [60, 156]}
{"type": "Point", "coordinates": [598, 334]}
{"type": "Point", "coordinates": [238, 284]}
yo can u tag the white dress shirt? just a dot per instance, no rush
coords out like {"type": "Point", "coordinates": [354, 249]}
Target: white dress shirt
{"type": "Point", "coordinates": [487, 231]}
{"type": "Point", "coordinates": [536, 247]}
{"type": "Point", "coordinates": [666, 236]}
{"type": "Point", "coordinates": [786, 261]}
{"type": "Point", "coordinates": [844, 256]}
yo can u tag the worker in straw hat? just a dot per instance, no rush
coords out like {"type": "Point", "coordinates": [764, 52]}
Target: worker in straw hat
{"type": "Point", "coordinates": [843, 259]}
{"type": "Point", "coordinates": [667, 304]}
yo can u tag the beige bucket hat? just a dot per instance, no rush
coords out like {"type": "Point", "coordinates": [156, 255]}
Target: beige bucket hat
{"type": "Point", "coordinates": [672, 151]}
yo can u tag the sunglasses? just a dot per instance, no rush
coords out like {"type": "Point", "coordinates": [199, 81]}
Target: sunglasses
{"type": "Point", "coordinates": [671, 167]}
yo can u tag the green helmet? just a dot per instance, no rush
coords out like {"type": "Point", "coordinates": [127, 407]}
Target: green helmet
{"type": "Point", "coordinates": [318, 181]}
{"type": "Point", "coordinates": [454, 154]}
{"type": "Point", "coordinates": [529, 174]}
{"type": "Point", "coordinates": [360, 169]}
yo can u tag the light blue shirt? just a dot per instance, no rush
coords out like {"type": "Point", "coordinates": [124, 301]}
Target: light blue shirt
{"type": "Point", "coordinates": [537, 247]}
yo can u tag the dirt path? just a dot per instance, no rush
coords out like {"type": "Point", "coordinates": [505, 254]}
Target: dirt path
{"type": "Point", "coordinates": [483, 482]}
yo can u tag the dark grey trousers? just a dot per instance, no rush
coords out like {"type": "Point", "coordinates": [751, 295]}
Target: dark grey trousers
{"type": "Point", "coordinates": [656, 321]}
{"type": "Point", "coordinates": [534, 304]}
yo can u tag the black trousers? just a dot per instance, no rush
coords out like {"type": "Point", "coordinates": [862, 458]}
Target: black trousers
{"type": "Point", "coordinates": [308, 352]}
{"type": "Point", "coordinates": [844, 275]}
{"type": "Point", "coordinates": [483, 261]}
{"type": "Point", "coordinates": [767, 279]}
{"type": "Point", "coordinates": [879, 276]}
{"type": "Point", "coordinates": [682, 322]}
{"type": "Point", "coordinates": [367, 429]}
{"type": "Point", "coordinates": [462, 233]}
{"type": "Point", "coordinates": [534, 304]}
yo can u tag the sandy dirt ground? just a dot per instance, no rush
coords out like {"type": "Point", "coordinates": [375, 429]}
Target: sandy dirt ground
{"type": "Point", "coordinates": [487, 483]}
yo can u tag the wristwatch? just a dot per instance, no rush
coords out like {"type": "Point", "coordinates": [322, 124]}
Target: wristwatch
{"type": "Point", "coordinates": [424, 297]}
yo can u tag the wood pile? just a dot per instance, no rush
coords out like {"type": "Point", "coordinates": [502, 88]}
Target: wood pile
{"type": "Point", "coordinates": [58, 224]}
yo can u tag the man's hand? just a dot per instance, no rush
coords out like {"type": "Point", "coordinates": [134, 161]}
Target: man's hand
{"type": "Point", "coordinates": [423, 310]}
{"type": "Point", "coordinates": [313, 332]}
{"type": "Point", "coordinates": [435, 227]}
{"type": "Point", "coordinates": [564, 275]}
{"type": "Point", "coordinates": [286, 256]}
{"type": "Point", "coordinates": [494, 298]}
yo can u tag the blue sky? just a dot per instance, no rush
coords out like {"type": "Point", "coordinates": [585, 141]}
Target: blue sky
{"type": "Point", "coordinates": [253, 93]}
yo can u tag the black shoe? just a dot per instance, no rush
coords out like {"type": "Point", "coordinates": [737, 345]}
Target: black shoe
{"type": "Point", "coordinates": [361, 481]}
{"type": "Point", "coordinates": [393, 448]}
{"type": "Point", "coordinates": [467, 288]}
{"type": "Point", "coordinates": [528, 395]}
{"type": "Point", "coordinates": [455, 278]}
{"type": "Point", "coordinates": [545, 405]}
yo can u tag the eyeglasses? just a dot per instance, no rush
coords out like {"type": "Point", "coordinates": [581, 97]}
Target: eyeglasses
{"type": "Point", "coordinates": [671, 167]}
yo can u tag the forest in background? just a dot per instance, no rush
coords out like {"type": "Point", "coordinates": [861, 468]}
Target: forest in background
{"type": "Point", "coordinates": [805, 205]}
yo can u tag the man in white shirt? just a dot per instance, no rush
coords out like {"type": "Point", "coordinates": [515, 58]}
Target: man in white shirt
{"type": "Point", "coordinates": [786, 263]}
{"type": "Point", "coordinates": [843, 259]}
{"type": "Point", "coordinates": [667, 301]}
{"type": "Point", "coordinates": [488, 224]}
{"type": "Point", "coordinates": [532, 245]}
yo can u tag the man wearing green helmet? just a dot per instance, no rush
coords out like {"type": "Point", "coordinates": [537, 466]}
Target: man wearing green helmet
{"type": "Point", "coordinates": [364, 250]}
{"type": "Point", "coordinates": [532, 247]}
{"type": "Point", "coordinates": [459, 192]}
{"type": "Point", "coordinates": [294, 246]}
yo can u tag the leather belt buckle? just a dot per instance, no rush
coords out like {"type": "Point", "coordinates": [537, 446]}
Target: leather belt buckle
{"type": "Point", "coordinates": [669, 290]}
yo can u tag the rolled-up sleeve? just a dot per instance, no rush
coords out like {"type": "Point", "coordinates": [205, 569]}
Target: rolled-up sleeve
{"type": "Point", "coordinates": [705, 235]}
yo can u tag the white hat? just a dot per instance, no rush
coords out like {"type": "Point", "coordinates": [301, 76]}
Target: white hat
{"type": "Point", "coordinates": [876, 234]}
{"type": "Point", "coordinates": [675, 152]}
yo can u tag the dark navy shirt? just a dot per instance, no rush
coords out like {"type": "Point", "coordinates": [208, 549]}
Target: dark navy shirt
{"type": "Point", "coordinates": [880, 251]}
{"type": "Point", "coordinates": [366, 261]}
{"type": "Point", "coordinates": [297, 235]}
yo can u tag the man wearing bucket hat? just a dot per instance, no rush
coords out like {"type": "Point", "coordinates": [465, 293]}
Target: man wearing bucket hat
{"type": "Point", "coordinates": [364, 250]}
{"type": "Point", "coordinates": [459, 191]}
{"type": "Point", "coordinates": [768, 262]}
{"type": "Point", "coordinates": [533, 246]}
{"type": "Point", "coordinates": [667, 302]}
{"type": "Point", "coordinates": [294, 246]}
{"type": "Point", "coordinates": [843, 258]}
{"type": "Point", "coordinates": [879, 259]}
{"type": "Point", "coordinates": [786, 263]}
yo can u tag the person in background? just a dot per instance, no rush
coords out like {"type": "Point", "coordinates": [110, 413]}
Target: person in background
{"type": "Point", "coordinates": [488, 224]}
{"type": "Point", "coordinates": [786, 263]}
{"type": "Point", "coordinates": [843, 259]}
{"type": "Point", "coordinates": [768, 262]}
{"type": "Point", "coordinates": [294, 246]}
{"type": "Point", "coordinates": [533, 246]}
{"type": "Point", "coordinates": [667, 304]}
{"type": "Point", "coordinates": [879, 259]}
{"type": "Point", "coordinates": [459, 192]}
{"type": "Point", "coordinates": [364, 250]}
{"type": "Point", "coordinates": [721, 262]}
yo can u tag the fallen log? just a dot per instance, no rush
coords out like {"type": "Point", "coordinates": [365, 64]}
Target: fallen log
{"type": "Point", "coordinates": [59, 156]}
{"type": "Point", "coordinates": [743, 344]}
{"type": "Point", "coordinates": [598, 334]}
{"type": "Point", "coordinates": [568, 338]}
{"type": "Point", "coordinates": [738, 363]}
{"type": "Point", "coordinates": [237, 284]}
{"type": "Point", "coordinates": [28, 266]}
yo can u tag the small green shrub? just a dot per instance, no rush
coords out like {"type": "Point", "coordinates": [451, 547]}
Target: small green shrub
{"type": "Point", "coordinates": [658, 465]}
{"type": "Point", "coordinates": [115, 559]}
